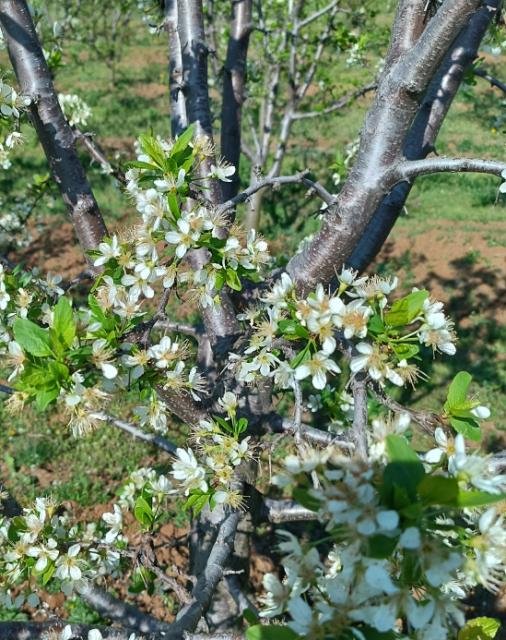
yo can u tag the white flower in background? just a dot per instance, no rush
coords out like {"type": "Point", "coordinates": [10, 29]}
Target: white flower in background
{"type": "Point", "coordinates": [171, 183]}
{"type": "Point", "coordinates": [165, 352]}
{"type": "Point", "coordinates": [76, 110]}
{"type": "Point", "coordinates": [14, 139]}
{"type": "Point", "coordinates": [317, 367]}
{"type": "Point", "coordinates": [352, 317]}
{"type": "Point", "coordinates": [502, 188]}
{"type": "Point", "coordinates": [15, 358]}
{"type": "Point", "coordinates": [481, 412]}
{"type": "Point", "coordinates": [114, 520]}
{"type": "Point", "coordinates": [349, 277]}
{"type": "Point", "coordinates": [228, 402]}
{"type": "Point", "coordinates": [187, 470]}
{"type": "Point", "coordinates": [102, 356]}
{"type": "Point", "coordinates": [222, 171]}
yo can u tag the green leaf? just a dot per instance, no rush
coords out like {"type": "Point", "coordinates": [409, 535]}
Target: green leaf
{"type": "Point", "coordinates": [479, 498]}
{"type": "Point", "coordinates": [468, 427]}
{"type": "Point", "coordinates": [457, 391]}
{"type": "Point", "coordinates": [438, 490]}
{"type": "Point", "coordinates": [183, 140]}
{"type": "Point", "coordinates": [232, 280]}
{"type": "Point", "coordinates": [63, 324]}
{"type": "Point", "coordinates": [403, 473]}
{"type": "Point", "coordinates": [143, 511]}
{"type": "Point", "coordinates": [381, 546]}
{"type": "Point", "coordinates": [480, 629]}
{"type": "Point", "coordinates": [153, 149]}
{"type": "Point", "coordinates": [32, 338]}
{"type": "Point", "coordinates": [48, 573]}
{"type": "Point", "coordinates": [270, 632]}
{"type": "Point", "coordinates": [293, 328]}
{"type": "Point", "coordinates": [375, 324]}
{"type": "Point", "coordinates": [304, 498]}
{"type": "Point", "coordinates": [406, 309]}
{"type": "Point", "coordinates": [405, 351]}
{"type": "Point", "coordinates": [45, 397]}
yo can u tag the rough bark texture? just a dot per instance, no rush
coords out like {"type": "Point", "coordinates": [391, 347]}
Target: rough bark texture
{"type": "Point", "coordinates": [55, 135]}
{"type": "Point", "coordinates": [178, 115]}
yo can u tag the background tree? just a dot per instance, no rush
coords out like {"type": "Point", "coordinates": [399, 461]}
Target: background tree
{"type": "Point", "coordinates": [266, 335]}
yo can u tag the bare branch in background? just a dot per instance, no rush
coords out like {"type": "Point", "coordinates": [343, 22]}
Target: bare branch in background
{"type": "Point", "coordinates": [494, 82]}
{"type": "Point", "coordinates": [54, 132]}
{"type": "Point", "coordinates": [98, 155]}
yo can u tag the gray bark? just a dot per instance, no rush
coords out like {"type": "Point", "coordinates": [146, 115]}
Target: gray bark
{"type": "Point", "coordinates": [55, 134]}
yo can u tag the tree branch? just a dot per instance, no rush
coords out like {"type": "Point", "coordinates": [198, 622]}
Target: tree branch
{"type": "Point", "coordinates": [178, 115]}
{"type": "Point", "coordinates": [381, 145]}
{"type": "Point", "coordinates": [234, 79]}
{"type": "Point", "coordinates": [97, 154]}
{"type": "Point", "coordinates": [410, 169]}
{"type": "Point", "coordinates": [264, 183]}
{"type": "Point", "coordinates": [316, 15]}
{"type": "Point", "coordinates": [494, 82]}
{"type": "Point", "coordinates": [53, 130]}
{"type": "Point", "coordinates": [278, 511]}
{"type": "Point", "coordinates": [139, 434]}
{"type": "Point", "coordinates": [425, 128]}
{"type": "Point", "coordinates": [187, 619]}
{"type": "Point", "coordinates": [127, 615]}
{"type": "Point", "coordinates": [360, 417]}
{"type": "Point", "coordinates": [339, 104]}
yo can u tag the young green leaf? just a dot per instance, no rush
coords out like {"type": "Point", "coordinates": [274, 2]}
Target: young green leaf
{"type": "Point", "coordinates": [63, 324]}
{"type": "Point", "coordinates": [32, 338]}
{"type": "Point", "coordinates": [457, 391]}
{"type": "Point", "coordinates": [406, 309]}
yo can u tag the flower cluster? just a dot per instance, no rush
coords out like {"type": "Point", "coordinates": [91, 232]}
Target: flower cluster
{"type": "Point", "coordinates": [75, 109]}
{"type": "Point", "coordinates": [12, 105]}
{"type": "Point", "coordinates": [40, 546]}
{"type": "Point", "coordinates": [324, 324]}
{"type": "Point", "coordinates": [395, 564]}
{"type": "Point", "coordinates": [217, 443]}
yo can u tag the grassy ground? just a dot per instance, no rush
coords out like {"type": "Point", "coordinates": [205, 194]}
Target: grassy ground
{"type": "Point", "coordinates": [451, 239]}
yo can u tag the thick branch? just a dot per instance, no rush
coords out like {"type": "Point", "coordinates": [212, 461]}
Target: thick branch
{"type": "Point", "coordinates": [381, 146]}
{"type": "Point", "coordinates": [55, 134]}
{"type": "Point", "coordinates": [178, 115]}
{"type": "Point", "coordinates": [234, 78]}
{"type": "Point", "coordinates": [125, 614]}
{"type": "Point", "coordinates": [187, 619]}
{"type": "Point", "coordinates": [422, 135]}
